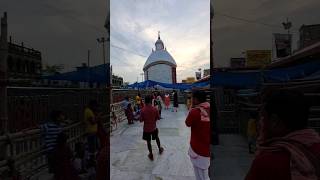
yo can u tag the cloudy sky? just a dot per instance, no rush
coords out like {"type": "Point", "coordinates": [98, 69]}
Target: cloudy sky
{"type": "Point", "coordinates": [63, 30]}
{"type": "Point", "coordinates": [233, 36]}
{"type": "Point", "coordinates": [184, 28]}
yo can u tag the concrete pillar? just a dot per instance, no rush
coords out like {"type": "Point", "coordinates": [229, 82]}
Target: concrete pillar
{"type": "Point", "coordinates": [3, 74]}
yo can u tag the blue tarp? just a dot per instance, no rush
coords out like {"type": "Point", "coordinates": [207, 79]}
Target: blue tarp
{"type": "Point", "coordinates": [149, 83]}
{"type": "Point", "coordinates": [96, 74]}
{"type": "Point", "coordinates": [181, 86]}
{"type": "Point", "coordinates": [251, 79]}
{"type": "Point", "coordinates": [292, 73]}
{"type": "Point", "coordinates": [236, 79]}
{"type": "Point", "coordinates": [254, 79]}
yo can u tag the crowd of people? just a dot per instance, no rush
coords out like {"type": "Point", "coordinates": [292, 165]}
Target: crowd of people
{"type": "Point", "coordinates": [148, 110]}
{"type": "Point", "coordinates": [283, 145]}
{"type": "Point", "coordinates": [133, 110]}
{"type": "Point", "coordinates": [87, 159]}
{"type": "Point", "coordinates": [198, 120]}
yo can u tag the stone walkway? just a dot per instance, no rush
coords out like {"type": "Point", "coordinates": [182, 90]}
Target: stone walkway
{"type": "Point", "coordinates": [231, 158]}
{"type": "Point", "coordinates": [129, 152]}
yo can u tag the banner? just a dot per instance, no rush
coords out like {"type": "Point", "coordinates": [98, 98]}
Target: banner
{"type": "Point", "coordinates": [258, 58]}
{"type": "Point", "coordinates": [282, 44]}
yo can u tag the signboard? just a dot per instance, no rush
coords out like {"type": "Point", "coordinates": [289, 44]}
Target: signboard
{"type": "Point", "coordinates": [282, 44]}
{"type": "Point", "coordinates": [258, 58]}
{"type": "Point", "coordinates": [237, 62]}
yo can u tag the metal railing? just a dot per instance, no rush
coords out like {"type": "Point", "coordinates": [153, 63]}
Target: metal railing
{"type": "Point", "coordinates": [21, 149]}
{"type": "Point", "coordinates": [24, 152]}
{"type": "Point", "coordinates": [29, 107]}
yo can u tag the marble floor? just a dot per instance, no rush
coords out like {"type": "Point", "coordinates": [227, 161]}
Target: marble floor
{"type": "Point", "coordinates": [129, 152]}
{"type": "Point", "coordinates": [231, 158]}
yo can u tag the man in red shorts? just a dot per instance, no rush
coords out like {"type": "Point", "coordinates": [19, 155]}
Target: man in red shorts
{"type": "Point", "coordinates": [150, 115]}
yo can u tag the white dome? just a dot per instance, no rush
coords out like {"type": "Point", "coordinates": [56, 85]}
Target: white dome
{"type": "Point", "coordinates": [161, 56]}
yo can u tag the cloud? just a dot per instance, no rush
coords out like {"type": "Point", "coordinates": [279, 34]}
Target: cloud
{"type": "Point", "coordinates": [232, 37]}
{"type": "Point", "coordinates": [62, 30]}
{"type": "Point", "coordinates": [184, 27]}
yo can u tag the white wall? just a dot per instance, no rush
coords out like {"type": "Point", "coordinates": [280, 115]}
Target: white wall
{"type": "Point", "coordinates": [160, 73]}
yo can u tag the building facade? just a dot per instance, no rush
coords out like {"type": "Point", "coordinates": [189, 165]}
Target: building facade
{"type": "Point", "coordinates": [206, 72]}
{"type": "Point", "coordinates": [238, 62]}
{"type": "Point", "coordinates": [117, 82]}
{"type": "Point", "coordinates": [189, 80]}
{"type": "Point", "coordinates": [23, 64]}
{"type": "Point", "coordinates": [309, 34]}
{"type": "Point", "coordinates": [160, 65]}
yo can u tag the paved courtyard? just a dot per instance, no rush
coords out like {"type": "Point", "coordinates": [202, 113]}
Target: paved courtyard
{"type": "Point", "coordinates": [231, 158]}
{"type": "Point", "coordinates": [129, 152]}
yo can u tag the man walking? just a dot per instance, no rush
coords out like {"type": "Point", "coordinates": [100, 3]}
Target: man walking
{"type": "Point", "coordinates": [199, 121]}
{"type": "Point", "coordinates": [150, 115]}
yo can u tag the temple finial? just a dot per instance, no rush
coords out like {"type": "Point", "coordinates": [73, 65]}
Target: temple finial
{"type": "Point", "coordinates": [158, 34]}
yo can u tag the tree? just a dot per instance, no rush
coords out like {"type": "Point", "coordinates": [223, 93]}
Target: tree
{"type": "Point", "coordinates": [53, 69]}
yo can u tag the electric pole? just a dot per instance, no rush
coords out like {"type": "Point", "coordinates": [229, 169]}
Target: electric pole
{"type": "Point", "coordinates": [102, 41]}
{"type": "Point", "coordinates": [88, 57]}
{"type": "Point", "coordinates": [88, 68]}
{"type": "Point", "coordinates": [287, 26]}
{"type": "Point", "coordinates": [141, 76]}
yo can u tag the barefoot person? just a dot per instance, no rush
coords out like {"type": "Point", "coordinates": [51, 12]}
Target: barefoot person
{"type": "Point", "coordinates": [167, 101]}
{"type": "Point", "coordinates": [175, 101]}
{"type": "Point", "coordinates": [199, 121]}
{"type": "Point", "coordinates": [287, 149]}
{"type": "Point", "coordinates": [149, 116]}
{"type": "Point", "coordinates": [159, 102]}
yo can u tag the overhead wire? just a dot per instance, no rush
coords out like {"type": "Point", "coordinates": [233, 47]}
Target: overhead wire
{"type": "Point", "coordinates": [251, 21]}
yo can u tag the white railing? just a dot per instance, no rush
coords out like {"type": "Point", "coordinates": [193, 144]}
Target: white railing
{"type": "Point", "coordinates": [24, 151]}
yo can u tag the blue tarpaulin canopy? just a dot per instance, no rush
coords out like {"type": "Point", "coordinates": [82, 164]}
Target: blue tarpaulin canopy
{"type": "Point", "coordinates": [240, 79]}
{"type": "Point", "coordinates": [96, 74]}
{"type": "Point", "coordinates": [236, 79]}
{"type": "Point", "coordinates": [292, 73]}
{"type": "Point", "coordinates": [253, 79]}
{"type": "Point", "coordinates": [181, 86]}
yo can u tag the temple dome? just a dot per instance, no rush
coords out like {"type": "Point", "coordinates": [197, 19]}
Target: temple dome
{"type": "Point", "coordinates": [159, 56]}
